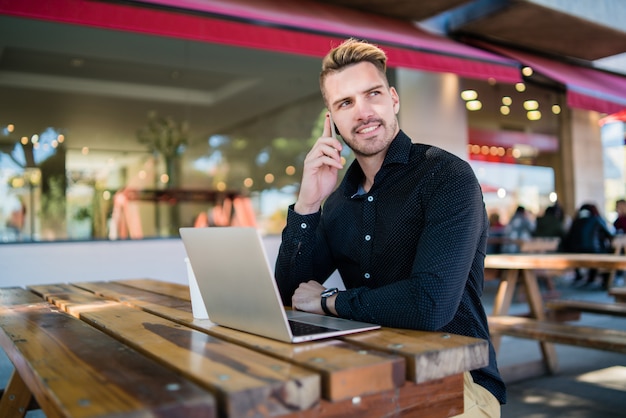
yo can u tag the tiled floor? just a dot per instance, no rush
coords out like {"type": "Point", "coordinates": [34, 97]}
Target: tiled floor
{"type": "Point", "coordinates": [589, 384]}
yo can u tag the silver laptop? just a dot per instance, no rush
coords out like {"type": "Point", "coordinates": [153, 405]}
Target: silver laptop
{"type": "Point", "coordinates": [237, 285]}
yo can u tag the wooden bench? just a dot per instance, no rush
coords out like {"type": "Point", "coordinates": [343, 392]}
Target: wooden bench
{"type": "Point", "coordinates": [558, 333]}
{"type": "Point", "coordinates": [564, 306]}
{"type": "Point", "coordinates": [619, 293]}
{"type": "Point", "coordinates": [619, 247]}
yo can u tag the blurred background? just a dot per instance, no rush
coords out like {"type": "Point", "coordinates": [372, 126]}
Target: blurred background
{"type": "Point", "coordinates": [129, 119]}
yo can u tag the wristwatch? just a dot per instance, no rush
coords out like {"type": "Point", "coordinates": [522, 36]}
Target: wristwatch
{"type": "Point", "coordinates": [325, 295]}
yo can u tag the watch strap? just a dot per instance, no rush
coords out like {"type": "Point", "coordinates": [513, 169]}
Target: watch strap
{"type": "Point", "coordinates": [325, 307]}
{"type": "Point", "coordinates": [325, 295]}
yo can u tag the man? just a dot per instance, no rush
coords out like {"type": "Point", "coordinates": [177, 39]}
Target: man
{"type": "Point", "coordinates": [406, 228]}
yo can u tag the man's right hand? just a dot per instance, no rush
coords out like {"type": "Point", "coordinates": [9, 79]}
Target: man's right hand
{"type": "Point", "coordinates": [321, 168]}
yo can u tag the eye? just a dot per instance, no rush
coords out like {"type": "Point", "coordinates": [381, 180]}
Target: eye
{"type": "Point", "coordinates": [344, 103]}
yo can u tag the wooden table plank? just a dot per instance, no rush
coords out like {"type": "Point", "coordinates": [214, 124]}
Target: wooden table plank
{"type": "Point", "coordinates": [456, 353]}
{"type": "Point", "coordinates": [90, 373]}
{"type": "Point", "coordinates": [245, 382]}
{"type": "Point", "coordinates": [157, 286]}
{"type": "Point", "coordinates": [13, 296]}
{"type": "Point", "coordinates": [556, 261]}
{"type": "Point", "coordinates": [429, 355]}
{"type": "Point", "coordinates": [79, 297]}
{"type": "Point", "coordinates": [434, 399]}
{"type": "Point", "coordinates": [347, 370]}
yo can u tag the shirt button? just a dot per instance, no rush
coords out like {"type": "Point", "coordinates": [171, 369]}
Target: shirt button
{"type": "Point", "coordinates": [366, 275]}
{"type": "Point", "coordinates": [303, 225]}
{"type": "Point", "coordinates": [370, 198]}
{"type": "Point", "coordinates": [368, 237]}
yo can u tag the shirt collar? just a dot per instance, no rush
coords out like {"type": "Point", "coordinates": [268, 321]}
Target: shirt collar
{"type": "Point", "coordinates": [398, 153]}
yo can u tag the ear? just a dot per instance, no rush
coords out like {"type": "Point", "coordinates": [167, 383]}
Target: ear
{"type": "Point", "coordinates": [395, 98]}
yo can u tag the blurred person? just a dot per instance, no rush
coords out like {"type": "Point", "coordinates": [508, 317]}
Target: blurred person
{"type": "Point", "coordinates": [589, 233]}
{"type": "Point", "coordinates": [519, 228]}
{"type": "Point", "coordinates": [406, 228]}
{"type": "Point", "coordinates": [551, 223]}
{"type": "Point", "coordinates": [496, 233]}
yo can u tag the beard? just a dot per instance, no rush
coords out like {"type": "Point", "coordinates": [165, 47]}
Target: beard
{"type": "Point", "coordinates": [368, 147]}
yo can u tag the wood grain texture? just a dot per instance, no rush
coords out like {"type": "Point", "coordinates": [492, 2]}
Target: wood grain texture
{"type": "Point", "coordinates": [15, 398]}
{"type": "Point", "coordinates": [347, 370]}
{"type": "Point", "coordinates": [14, 296]}
{"type": "Point", "coordinates": [164, 288]}
{"type": "Point", "coordinates": [247, 375]}
{"type": "Point", "coordinates": [245, 382]}
{"type": "Point", "coordinates": [429, 355]}
{"type": "Point", "coordinates": [73, 370]}
{"type": "Point", "coordinates": [435, 399]}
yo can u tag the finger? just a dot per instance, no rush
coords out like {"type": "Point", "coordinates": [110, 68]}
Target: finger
{"type": "Point", "coordinates": [315, 162]}
{"type": "Point", "coordinates": [327, 122]}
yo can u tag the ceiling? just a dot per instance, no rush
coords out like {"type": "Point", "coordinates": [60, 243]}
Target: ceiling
{"type": "Point", "coordinates": [78, 76]}
{"type": "Point", "coordinates": [569, 29]}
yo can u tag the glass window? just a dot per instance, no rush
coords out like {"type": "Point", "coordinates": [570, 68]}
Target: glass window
{"type": "Point", "coordinates": [115, 135]}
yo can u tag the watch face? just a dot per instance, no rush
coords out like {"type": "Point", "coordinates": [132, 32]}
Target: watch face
{"type": "Point", "coordinates": [329, 292]}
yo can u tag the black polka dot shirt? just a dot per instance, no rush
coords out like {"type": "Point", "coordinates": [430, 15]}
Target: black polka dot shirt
{"type": "Point", "coordinates": [410, 251]}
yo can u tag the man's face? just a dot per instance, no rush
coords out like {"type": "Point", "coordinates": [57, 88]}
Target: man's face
{"type": "Point", "coordinates": [363, 107]}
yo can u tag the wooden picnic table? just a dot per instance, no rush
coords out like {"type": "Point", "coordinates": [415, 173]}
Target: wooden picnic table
{"type": "Point", "coordinates": [537, 325]}
{"type": "Point", "coordinates": [132, 348]}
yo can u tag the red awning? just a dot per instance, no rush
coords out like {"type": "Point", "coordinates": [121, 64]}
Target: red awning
{"type": "Point", "coordinates": [615, 117]}
{"type": "Point", "coordinates": [302, 27]}
{"type": "Point", "coordinates": [587, 88]}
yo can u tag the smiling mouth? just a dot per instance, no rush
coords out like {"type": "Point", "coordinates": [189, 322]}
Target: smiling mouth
{"type": "Point", "coordinates": [369, 129]}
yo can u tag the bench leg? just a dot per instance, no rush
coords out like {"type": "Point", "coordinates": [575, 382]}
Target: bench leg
{"type": "Point", "coordinates": [503, 299]}
{"type": "Point", "coordinates": [537, 310]}
{"type": "Point", "coordinates": [16, 397]}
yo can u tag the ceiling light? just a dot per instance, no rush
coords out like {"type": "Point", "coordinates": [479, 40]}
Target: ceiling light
{"type": "Point", "coordinates": [520, 87]}
{"type": "Point", "coordinates": [505, 110]}
{"type": "Point", "coordinates": [506, 100]}
{"type": "Point", "coordinates": [474, 105]}
{"type": "Point", "coordinates": [468, 95]}
{"type": "Point", "coordinates": [531, 105]}
{"type": "Point", "coordinates": [556, 109]}
{"type": "Point", "coordinates": [527, 71]}
{"type": "Point", "coordinates": [533, 115]}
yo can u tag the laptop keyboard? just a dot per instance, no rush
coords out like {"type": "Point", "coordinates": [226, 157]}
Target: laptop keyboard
{"type": "Point", "coordinates": [300, 328]}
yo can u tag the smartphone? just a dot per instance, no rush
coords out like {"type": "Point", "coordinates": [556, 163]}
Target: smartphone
{"type": "Point", "coordinates": [333, 128]}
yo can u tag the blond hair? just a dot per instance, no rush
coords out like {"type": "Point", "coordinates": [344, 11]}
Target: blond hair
{"type": "Point", "coordinates": [352, 51]}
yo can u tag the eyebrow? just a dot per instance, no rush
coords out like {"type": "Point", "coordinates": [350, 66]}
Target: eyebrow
{"type": "Point", "coordinates": [372, 88]}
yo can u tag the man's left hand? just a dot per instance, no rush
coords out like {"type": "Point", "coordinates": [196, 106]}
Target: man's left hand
{"type": "Point", "coordinates": [307, 297]}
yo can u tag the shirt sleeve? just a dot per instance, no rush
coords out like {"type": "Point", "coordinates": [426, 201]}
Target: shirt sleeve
{"type": "Point", "coordinates": [301, 242]}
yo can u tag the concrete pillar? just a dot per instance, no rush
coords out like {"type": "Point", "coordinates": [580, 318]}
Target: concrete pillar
{"type": "Point", "coordinates": [431, 110]}
{"type": "Point", "coordinates": [587, 160]}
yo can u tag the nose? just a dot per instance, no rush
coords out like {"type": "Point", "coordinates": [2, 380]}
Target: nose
{"type": "Point", "coordinates": [363, 109]}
